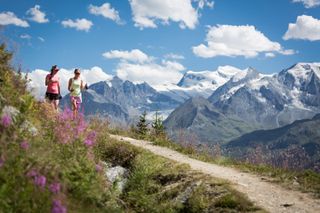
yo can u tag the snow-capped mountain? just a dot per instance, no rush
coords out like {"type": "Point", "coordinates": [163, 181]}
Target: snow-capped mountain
{"type": "Point", "coordinates": [255, 100]}
{"type": "Point", "coordinates": [264, 101]}
{"type": "Point", "coordinates": [271, 101]}
{"type": "Point", "coordinates": [303, 79]}
{"type": "Point", "coordinates": [205, 79]}
{"type": "Point", "coordinates": [126, 100]}
{"type": "Point", "coordinates": [123, 101]}
{"type": "Point", "coordinates": [202, 83]}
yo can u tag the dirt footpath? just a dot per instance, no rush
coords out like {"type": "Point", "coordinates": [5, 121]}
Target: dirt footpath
{"type": "Point", "coordinates": [271, 197]}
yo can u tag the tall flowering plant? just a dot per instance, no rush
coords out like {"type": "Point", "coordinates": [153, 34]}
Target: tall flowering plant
{"type": "Point", "coordinates": [44, 156]}
{"type": "Point", "coordinates": [69, 129]}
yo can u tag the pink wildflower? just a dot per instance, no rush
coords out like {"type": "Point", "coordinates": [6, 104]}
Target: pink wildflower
{"type": "Point", "coordinates": [55, 188]}
{"type": "Point", "coordinates": [81, 126]}
{"type": "Point", "coordinates": [40, 181]}
{"type": "Point", "coordinates": [88, 142]}
{"type": "Point", "coordinates": [24, 145]}
{"type": "Point", "coordinates": [6, 120]}
{"type": "Point", "coordinates": [32, 173]}
{"type": "Point", "coordinates": [57, 207]}
{"type": "Point", "coordinates": [98, 168]}
{"type": "Point", "coordinates": [92, 135]}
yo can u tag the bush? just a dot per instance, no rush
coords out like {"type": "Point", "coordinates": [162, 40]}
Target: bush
{"type": "Point", "coordinates": [119, 154]}
{"type": "Point", "coordinates": [48, 161]}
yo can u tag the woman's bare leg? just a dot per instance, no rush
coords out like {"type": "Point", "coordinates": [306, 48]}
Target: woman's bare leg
{"type": "Point", "coordinates": [56, 104]}
{"type": "Point", "coordinates": [74, 108]}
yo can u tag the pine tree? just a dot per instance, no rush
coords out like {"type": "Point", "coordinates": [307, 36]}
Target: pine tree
{"type": "Point", "coordinates": [157, 125]}
{"type": "Point", "coordinates": [142, 126]}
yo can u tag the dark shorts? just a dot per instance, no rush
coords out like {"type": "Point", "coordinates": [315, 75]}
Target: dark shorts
{"type": "Point", "coordinates": [52, 96]}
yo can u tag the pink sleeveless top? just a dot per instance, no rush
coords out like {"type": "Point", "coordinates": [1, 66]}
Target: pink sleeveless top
{"type": "Point", "coordinates": [54, 86]}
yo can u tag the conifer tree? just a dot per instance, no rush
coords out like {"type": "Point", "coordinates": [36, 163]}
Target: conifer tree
{"type": "Point", "coordinates": [142, 126]}
{"type": "Point", "coordinates": [157, 125]}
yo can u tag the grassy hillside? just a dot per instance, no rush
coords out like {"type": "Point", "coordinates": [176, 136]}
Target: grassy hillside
{"type": "Point", "coordinates": [51, 162]}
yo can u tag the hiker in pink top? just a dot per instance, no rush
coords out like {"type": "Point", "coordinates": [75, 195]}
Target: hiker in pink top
{"type": "Point", "coordinates": [53, 87]}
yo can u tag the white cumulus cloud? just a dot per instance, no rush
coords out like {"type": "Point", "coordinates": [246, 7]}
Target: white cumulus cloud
{"type": "Point", "coordinates": [138, 67]}
{"type": "Point", "coordinates": [231, 41]}
{"type": "Point", "coordinates": [309, 3]}
{"type": "Point", "coordinates": [306, 28]}
{"type": "Point", "coordinates": [154, 74]}
{"type": "Point", "coordinates": [90, 76]}
{"type": "Point", "coordinates": [270, 55]}
{"type": "Point", "coordinates": [25, 36]}
{"type": "Point", "coordinates": [288, 52]}
{"type": "Point", "coordinates": [37, 15]}
{"type": "Point", "coordinates": [147, 12]}
{"type": "Point", "coordinates": [106, 11]}
{"type": "Point", "coordinates": [7, 18]}
{"type": "Point", "coordinates": [174, 56]}
{"type": "Point", "coordinates": [134, 55]}
{"type": "Point", "coordinates": [80, 24]}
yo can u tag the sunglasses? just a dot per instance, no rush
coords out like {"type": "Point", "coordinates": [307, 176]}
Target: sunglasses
{"type": "Point", "coordinates": [77, 73]}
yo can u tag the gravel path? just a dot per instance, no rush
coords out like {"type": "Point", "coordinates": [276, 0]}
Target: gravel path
{"type": "Point", "coordinates": [271, 197]}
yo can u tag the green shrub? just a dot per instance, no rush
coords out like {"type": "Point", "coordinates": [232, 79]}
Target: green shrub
{"type": "Point", "coordinates": [47, 160]}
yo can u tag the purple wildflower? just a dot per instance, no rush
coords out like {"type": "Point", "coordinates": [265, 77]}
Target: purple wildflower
{"type": "Point", "coordinates": [98, 168]}
{"type": "Point", "coordinates": [6, 120]}
{"type": "Point", "coordinates": [81, 125]}
{"type": "Point", "coordinates": [92, 135]}
{"type": "Point", "coordinates": [66, 115]}
{"type": "Point", "coordinates": [88, 142]}
{"type": "Point", "coordinates": [24, 145]}
{"type": "Point", "coordinates": [57, 207]}
{"type": "Point", "coordinates": [40, 181]}
{"type": "Point", "coordinates": [55, 188]}
{"type": "Point", "coordinates": [32, 173]}
{"type": "Point", "coordinates": [70, 129]}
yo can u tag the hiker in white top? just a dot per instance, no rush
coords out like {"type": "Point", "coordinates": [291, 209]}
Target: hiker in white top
{"type": "Point", "coordinates": [75, 86]}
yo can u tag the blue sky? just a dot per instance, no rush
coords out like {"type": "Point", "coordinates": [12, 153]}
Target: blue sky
{"type": "Point", "coordinates": [166, 34]}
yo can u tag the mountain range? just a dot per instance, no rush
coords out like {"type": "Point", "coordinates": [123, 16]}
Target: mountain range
{"type": "Point", "coordinates": [199, 120]}
{"type": "Point", "coordinates": [202, 83]}
{"type": "Point", "coordinates": [253, 100]}
{"type": "Point", "coordinates": [122, 101]}
{"type": "Point", "coordinates": [253, 116]}
{"type": "Point", "coordinates": [259, 101]}
{"type": "Point", "coordinates": [295, 146]}
{"type": "Point", "coordinates": [271, 101]}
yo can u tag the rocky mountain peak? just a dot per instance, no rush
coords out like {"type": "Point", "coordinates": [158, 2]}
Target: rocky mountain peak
{"type": "Point", "coordinates": [246, 75]}
{"type": "Point", "coordinates": [299, 74]}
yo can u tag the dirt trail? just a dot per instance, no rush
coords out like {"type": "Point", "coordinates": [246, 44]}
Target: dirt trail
{"type": "Point", "coordinates": [271, 197]}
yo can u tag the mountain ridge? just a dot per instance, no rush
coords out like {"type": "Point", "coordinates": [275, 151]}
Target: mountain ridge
{"type": "Point", "coordinates": [294, 146]}
{"type": "Point", "coordinates": [204, 121]}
